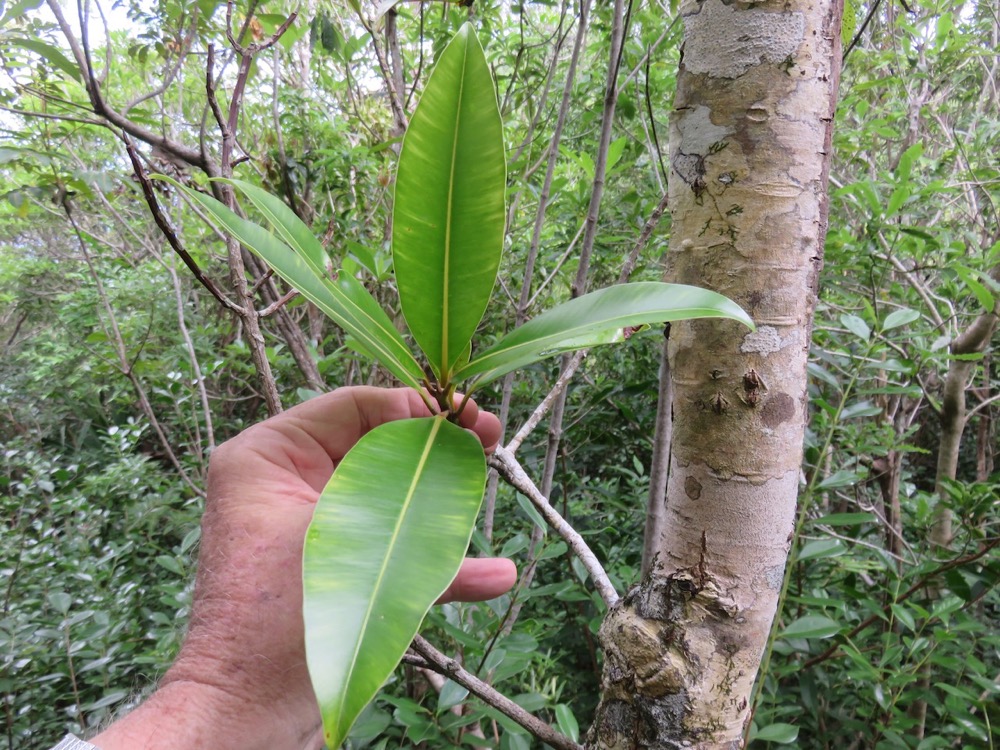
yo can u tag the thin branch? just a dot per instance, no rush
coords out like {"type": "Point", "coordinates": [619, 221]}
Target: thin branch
{"type": "Point", "coordinates": [123, 364]}
{"type": "Point", "coordinates": [168, 79]}
{"type": "Point", "coordinates": [981, 405]}
{"type": "Point", "coordinates": [102, 109]}
{"type": "Point", "coordinates": [640, 244]}
{"type": "Point", "coordinates": [49, 116]}
{"type": "Point", "coordinates": [511, 470]}
{"type": "Point", "coordinates": [546, 404]}
{"type": "Point", "coordinates": [170, 234]}
{"type": "Point", "coordinates": [441, 663]}
{"type": "Point", "coordinates": [279, 303]}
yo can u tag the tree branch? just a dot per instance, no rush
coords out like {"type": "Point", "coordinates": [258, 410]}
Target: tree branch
{"type": "Point", "coordinates": [441, 663]}
{"type": "Point", "coordinates": [511, 470]}
{"type": "Point", "coordinates": [170, 234]}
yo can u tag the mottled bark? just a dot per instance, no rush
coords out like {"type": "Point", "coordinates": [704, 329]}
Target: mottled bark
{"type": "Point", "coordinates": [749, 156]}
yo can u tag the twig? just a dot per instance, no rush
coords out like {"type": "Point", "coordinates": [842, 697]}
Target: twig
{"type": "Point", "coordinates": [543, 408]}
{"type": "Point", "coordinates": [441, 663]}
{"type": "Point", "coordinates": [640, 244]}
{"type": "Point", "coordinates": [123, 364]}
{"type": "Point", "coordinates": [170, 234]}
{"type": "Point", "coordinates": [511, 470]}
{"type": "Point", "coordinates": [102, 109]}
{"type": "Point", "coordinates": [278, 303]}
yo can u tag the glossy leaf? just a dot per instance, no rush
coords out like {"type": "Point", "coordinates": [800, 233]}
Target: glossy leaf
{"type": "Point", "coordinates": [344, 299]}
{"type": "Point", "coordinates": [448, 213]}
{"type": "Point", "coordinates": [382, 547]}
{"type": "Point", "coordinates": [290, 228]}
{"type": "Point", "coordinates": [811, 626]}
{"type": "Point", "coordinates": [779, 732]}
{"type": "Point", "coordinates": [598, 318]}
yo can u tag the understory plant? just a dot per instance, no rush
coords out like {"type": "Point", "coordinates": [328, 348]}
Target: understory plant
{"type": "Point", "coordinates": [393, 524]}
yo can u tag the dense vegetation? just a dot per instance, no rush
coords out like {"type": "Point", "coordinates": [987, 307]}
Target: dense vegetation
{"type": "Point", "coordinates": [120, 371]}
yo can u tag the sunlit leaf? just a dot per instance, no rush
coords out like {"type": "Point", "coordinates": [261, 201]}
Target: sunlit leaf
{"type": "Point", "coordinates": [448, 213]}
{"type": "Point", "coordinates": [382, 547]}
{"type": "Point", "coordinates": [598, 318]}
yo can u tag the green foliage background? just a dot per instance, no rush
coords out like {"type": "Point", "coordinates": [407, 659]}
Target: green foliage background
{"type": "Point", "coordinates": [100, 525]}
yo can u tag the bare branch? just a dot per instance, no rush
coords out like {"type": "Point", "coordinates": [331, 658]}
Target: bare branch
{"type": "Point", "coordinates": [441, 663]}
{"type": "Point", "coordinates": [170, 234]}
{"type": "Point", "coordinates": [102, 109]}
{"type": "Point", "coordinates": [511, 470]}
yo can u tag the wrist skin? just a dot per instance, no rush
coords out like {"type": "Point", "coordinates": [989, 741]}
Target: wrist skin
{"type": "Point", "coordinates": [192, 715]}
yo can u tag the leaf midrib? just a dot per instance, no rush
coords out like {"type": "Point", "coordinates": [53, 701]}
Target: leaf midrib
{"type": "Point", "coordinates": [410, 492]}
{"type": "Point", "coordinates": [446, 271]}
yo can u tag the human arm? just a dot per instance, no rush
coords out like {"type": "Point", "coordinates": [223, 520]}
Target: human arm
{"type": "Point", "coordinates": [240, 680]}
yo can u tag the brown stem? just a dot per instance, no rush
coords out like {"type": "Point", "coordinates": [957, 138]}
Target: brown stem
{"type": "Point", "coordinates": [439, 662]}
{"type": "Point", "coordinates": [169, 233]}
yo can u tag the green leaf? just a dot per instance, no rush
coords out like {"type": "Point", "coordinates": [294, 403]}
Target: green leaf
{"type": "Point", "coordinates": [905, 166]}
{"type": "Point", "coordinates": [18, 9]}
{"type": "Point", "coordinates": [290, 228]}
{"type": "Point", "coordinates": [344, 300]}
{"type": "Point", "coordinates": [47, 52]}
{"type": "Point", "coordinates": [897, 199]}
{"type": "Point", "coordinates": [567, 722]}
{"type": "Point", "coordinates": [60, 601]}
{"type": "Point", "coordinates": [821, 548]}
{"type": "Point", "coordinates": [109, 699]}
{"type": "Point", "coordinates": [846, 519]}
{"type": "Point", "coordinates": [448, 214]}
{"type": "Point", "coordinates": [598, 318]}
{"type": "Point", "coordinates": [451, 695]}
{"type": "Point", "coordinates": [898, 318]}
{"type": "Point", "coordinates": [856, 325]}
{"type": "Point", "coordinates": [811, 626]}
{"type": "Point", "coordinates": [840, 478]}
{"type": "Point", "coordinates": [780, 733]}
{"type": "Point", "coordinates": [382, 547]}
{"type": "Point", "coordinates": [982, 294]}
{"type": "Point", "coordinates": [904, 616]}
{"type": "Point", "coordinates": [860, 409]}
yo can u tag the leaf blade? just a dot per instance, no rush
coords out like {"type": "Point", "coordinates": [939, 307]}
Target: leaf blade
{"type": "Point", "coordinates": [594, 319]}
{"type": "Point", "coordinates": [345, 301]}
{"type": "Point", "coordinates": [292, 230]}
{"type": "Point", "coordinates": [448, 211]}
{"type": "Point", "coordinates": [381, 549]}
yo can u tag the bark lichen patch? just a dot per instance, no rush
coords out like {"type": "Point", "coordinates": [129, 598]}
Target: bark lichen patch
{"type": "Point", "coordinates": [692, 487]}
{"type": "Point", "coordinates": [778, 409]}
{"type": "Point", "coordinates": [767, 340]}
{"type": "Point", "coordinates": [725, 42]}
{"type": "Point", "coordinates": [775, 576]}
{"type": "Point", "coordinates": [699, 135]}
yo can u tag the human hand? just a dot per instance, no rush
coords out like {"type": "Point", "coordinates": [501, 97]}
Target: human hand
{"type": "Point", "coordinates": [240, 679]}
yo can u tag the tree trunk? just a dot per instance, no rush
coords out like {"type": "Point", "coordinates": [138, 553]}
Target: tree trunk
{"type": "Point", "coordinates": [750, 147]}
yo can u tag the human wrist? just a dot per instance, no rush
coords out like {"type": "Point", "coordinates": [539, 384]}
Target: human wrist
{"type": "Point", "coordinates": [185, 713]}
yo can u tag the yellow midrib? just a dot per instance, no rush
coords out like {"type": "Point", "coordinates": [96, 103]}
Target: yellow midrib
{"type": "Point", "coordinates": [445, 363]}
{"type": "Point", "coordinates": [392, 542]}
